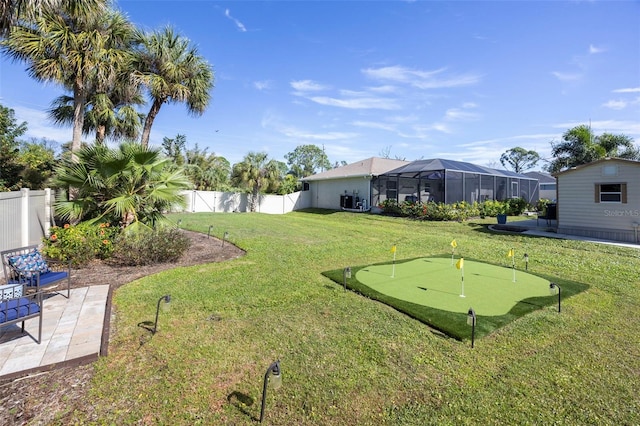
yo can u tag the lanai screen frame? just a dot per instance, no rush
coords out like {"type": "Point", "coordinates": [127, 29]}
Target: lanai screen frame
{"type": "Point", "coordinates": [451, 185]}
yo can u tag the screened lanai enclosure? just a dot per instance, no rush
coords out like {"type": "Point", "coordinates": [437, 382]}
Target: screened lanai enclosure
{"type": "Point", "coordinates": [448, 181]}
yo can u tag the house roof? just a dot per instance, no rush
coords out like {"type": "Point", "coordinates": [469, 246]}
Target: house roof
{"type": "Point", "coordinates": [542, 177]}
{"type": "Point", "coordinates": [593, 163]}
{"type": "Point", "coordinates": [373, 166]}
{"type": "Point", "coordinates": [416, 167]}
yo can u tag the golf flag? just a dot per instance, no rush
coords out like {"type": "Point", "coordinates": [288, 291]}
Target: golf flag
{"type": "Point", "coordinates": [453, 249]}
{"type": "Point", "coordinates": [510, 253]}
{"type": "Point", "coordinates": [454, 244]}
{"type": "Point", "coordinates": [393, 249]}
{"type": "Point", "coordinates": [393, 270]}
{"type": "Point", "coordinates": [460, 263]}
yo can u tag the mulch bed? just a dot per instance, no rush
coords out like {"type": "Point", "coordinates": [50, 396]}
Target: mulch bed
{"type": "Point", "coordinates": [41, 397]}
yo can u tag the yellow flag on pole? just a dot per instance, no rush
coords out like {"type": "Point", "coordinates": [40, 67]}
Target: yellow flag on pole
{"type": "Point", "coordinates": [393, 248]}
{"type": "Point", "coordinates": [460, 263]}
{"type": "Point", "coordinates": [510, 253]}
{"type": "Point", "coordinates": [454, 244]}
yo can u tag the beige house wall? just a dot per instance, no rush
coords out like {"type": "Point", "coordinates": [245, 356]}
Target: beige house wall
{"type": "Point", "coordinates": [325, 194]}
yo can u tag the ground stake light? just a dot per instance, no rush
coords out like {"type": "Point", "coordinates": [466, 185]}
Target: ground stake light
{"type": "Point", "coordinates": [346, 273]}
{"type": "Point", "coordinates": [526, 262]}
{"type": "Point", "coordinates": [555, 288]}
{"type": "Point", "coordinates": [276, 381]}
{"type": "Point", "coordinates": [209, 233]}
{"type": "Point", "coordinates": [224, 238]}
{"type": "Point", "coordinates": [471, 320]}
{"type": "Point", "coordinates": [167, 300]}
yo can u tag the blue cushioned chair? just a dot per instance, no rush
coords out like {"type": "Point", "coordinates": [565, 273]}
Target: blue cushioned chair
{"type": "Point", "coordinates": [26, 266]}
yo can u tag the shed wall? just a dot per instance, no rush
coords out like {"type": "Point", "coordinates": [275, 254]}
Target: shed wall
{"type": "Point", "coordinates": [580, 214]}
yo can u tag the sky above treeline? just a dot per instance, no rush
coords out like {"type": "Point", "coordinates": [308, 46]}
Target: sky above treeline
{"type": "Point", "coordinates": [405, 79]}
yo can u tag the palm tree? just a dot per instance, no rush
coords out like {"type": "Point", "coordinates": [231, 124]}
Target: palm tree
{"type": "Point", "coordinates": [81, 48]}
{"type": "Point", "coordinates": [172, 71]}
{"type": "Point", "coordinates": [257, 174]}
{"type": "Point", "coordinates": [131, 186]}
{"type": "Point", "coordinates": [580, 146]}
{"type": "Point", "coordinates": [14, 11]}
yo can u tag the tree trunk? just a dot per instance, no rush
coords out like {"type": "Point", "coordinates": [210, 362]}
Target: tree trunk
{"type": "Point", "coordinates": [101, 134]}
{"type": "Point", "coordinates": [79, 100]}
{"type": "Point", "coordinates": [148, 122]}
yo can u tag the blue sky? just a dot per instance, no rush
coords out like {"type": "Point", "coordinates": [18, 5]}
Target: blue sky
{"type": "Point", "coordinates": [414, 79]}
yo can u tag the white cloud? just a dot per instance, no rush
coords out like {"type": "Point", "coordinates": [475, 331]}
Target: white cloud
{"type": "Point", "coordinates": [456, 114]}
{"type": "Point", "coordinates": [40, 126]}
{"type": "Point", "coordinates": [307, 86]}
{"type": "Point", "coordinates": [628, 90]}
{"type": "Point", "coordinates": [595, 49]}
{"type": "Point", "coordinates": [239, 24]}
{"type": "Point", "coordinates": [357, 103]}
{"type": "Point", "coordinates": [566, 76]}
{"type": "Point", "coordinates": [616, 104]}
{"type": "Point", "coordinates": [435, 79]}
{"type": "Point", "coordinates": [263, 85]}
{"type": "Point", "coordinates": [374, 125]}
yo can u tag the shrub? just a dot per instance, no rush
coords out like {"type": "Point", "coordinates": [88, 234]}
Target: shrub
{"type": "Point", "coordinates": [149, 246]}
{"type": "Point", "coordinates": [492, 208]}
{"type": "Point", "coordinates": [390, 206]}
{"type": "Point", "coordinates": [541, 205]}
{"type": "Point", "coordinates": [80, 243]}
{"type": "Point", "coordinates": [516, 206]}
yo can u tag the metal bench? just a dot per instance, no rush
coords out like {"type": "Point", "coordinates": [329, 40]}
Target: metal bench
{"type": "Point", "coordinates": [25, 265]}
{"type": "Point", "coordinates": [16, 306]}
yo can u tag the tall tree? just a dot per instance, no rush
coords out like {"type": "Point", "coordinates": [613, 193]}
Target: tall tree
{"type": "Point", "coordinates": [580, 146]}
{"type": "Point", "coordinates": [258, 174]}
{"type": "Point", "coordinates": [10, 131]}
{"type": "Point", "coordinates": [305, 160]}
{"type": "Point", "coordinates": [80, 48]}
{"type": "Point", "coordinates": [519, 159]}
{"type": "Point", "coordinates": [172, 71]}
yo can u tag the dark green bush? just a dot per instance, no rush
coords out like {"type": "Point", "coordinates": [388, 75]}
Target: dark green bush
{"type": "Point", "coordinates": [149, 247]}
{"type": "Point", "coordinates": [516, 206]}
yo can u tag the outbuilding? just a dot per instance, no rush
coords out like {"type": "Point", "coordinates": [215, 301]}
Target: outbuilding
{"type": "Point", "coordinates": [600, 200]}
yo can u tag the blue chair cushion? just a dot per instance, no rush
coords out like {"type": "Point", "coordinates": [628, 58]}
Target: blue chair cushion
{"type": "Point", "coordinates": [17, 308]}
{"type": "Point", "coordinates": [29, 264]}
{"type": "Point", "coordinates": [45, 279]}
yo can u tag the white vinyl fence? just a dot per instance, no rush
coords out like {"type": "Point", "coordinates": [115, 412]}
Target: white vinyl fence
{"type": "Point", "coordinates": [25, 217]}
{"type": "Point", "coordinates": [229, 202]}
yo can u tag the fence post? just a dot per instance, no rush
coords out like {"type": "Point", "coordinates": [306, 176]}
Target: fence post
{"type": "Point", "coordinates": [24, 217]}
{"type": "Point", "coordinates": [47, 211]}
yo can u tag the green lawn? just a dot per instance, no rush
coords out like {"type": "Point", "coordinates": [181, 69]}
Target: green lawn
{"type": "Point", "coordinates": [350, 360]}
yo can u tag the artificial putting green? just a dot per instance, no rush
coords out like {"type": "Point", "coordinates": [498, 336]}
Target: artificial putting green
{"type": "Point", "coordinates": [437, 283]}
{"type": "Point", "coordinates": [430, 289]}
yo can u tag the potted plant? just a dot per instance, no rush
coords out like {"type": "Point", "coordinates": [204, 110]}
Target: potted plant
{"type": "Point", "coordinates": [502, 214]}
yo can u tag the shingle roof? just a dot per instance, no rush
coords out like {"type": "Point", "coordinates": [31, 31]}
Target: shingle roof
{"type": "Point", "coordinates": [373, 166]}
{"type": "Point", "coordinates": [542, 177]}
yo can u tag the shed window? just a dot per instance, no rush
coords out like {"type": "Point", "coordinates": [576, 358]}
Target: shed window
{"type": "Point", "coordinates": [611, 193]}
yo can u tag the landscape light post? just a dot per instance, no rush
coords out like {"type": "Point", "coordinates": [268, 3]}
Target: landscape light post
{"type": "Point", "coordinates": [224, 237]}
{"type": "Point", "coordinates": [552, 289]}
{"type": "Point", "coordinates": [526, 262]}
{"type": "Point", "coordinates": [209, 233]}
{"type": "Point", "coordinates": [276, 382]}
{"type": "Point", "coordinates": [346, 273]}
{"type": "Point", "coordinates": [471, 320]}
{"type": "Point", "coordinates": [167, 300]}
